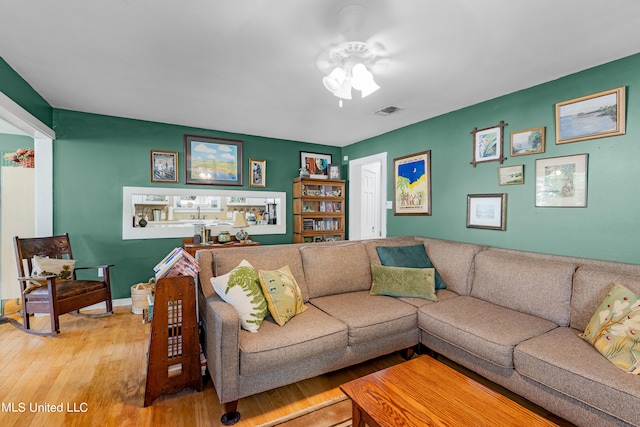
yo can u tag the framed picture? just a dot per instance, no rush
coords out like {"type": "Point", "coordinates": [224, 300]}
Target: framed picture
{"type": "Point", "coordinates": [562, 181]}
{"type": "Point", "coordinates": [598, 115]}
{"type": "Point", "coordinates": [412, 189]}
{"type": "Point", "coordinates": [164, 166]}
{"type": "Point", "coordinates": [530, 141]}
{"type": "Point", "coordinates": [212, 161]}
{"type": "Point", "coordinates": [258, 172]}
{"type": "Point", "coordinates": [334, 171]}
{"type": "Point", "coordinates": [487, 144]}
{"type": "Point", "coordinates": [511, 175]}
{"type": "Point", "coordinates": [317, 164]}
{"type": "Point", "coordinates": [487, 211]}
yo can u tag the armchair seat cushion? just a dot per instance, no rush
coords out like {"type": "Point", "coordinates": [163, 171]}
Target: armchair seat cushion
{"type": "Point", "coordinates": [69, 288]}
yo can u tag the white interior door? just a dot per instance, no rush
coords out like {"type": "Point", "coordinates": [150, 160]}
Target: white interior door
{"type": "Point", "coordinates": [367, 197]}
{"type": "Point", "coordinates": [369, 214]}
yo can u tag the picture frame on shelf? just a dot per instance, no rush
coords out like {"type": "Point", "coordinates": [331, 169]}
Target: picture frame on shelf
{"type": "Point", "coordinates": [488, 144]}
{"type": "Point", "coordinates": [487, 211]}
{"type": "Point", "coordinates": [529, 141]}
{"type": "Point", "coordinates": [511, 175]}
{"type": "Point", "coordinates": [316, 163]}
{"type": "Point", "coordinates": [164, 166]}
{"type": "Point", "coordinates": [412, 184]}
{"type": "Point", "coordinates": [334, 171]}
{"type": "Point", "coordinates": [258, 173]}
{"type": "Point", "coordinates": [562, 181]}
{"type": "Point", "coordinates": [598, 115]}
{"type": "Point", "coordinates": [213, 161]}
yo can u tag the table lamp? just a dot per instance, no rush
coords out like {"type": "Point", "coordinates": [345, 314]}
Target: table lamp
{"type": "Point", "coordinates": [240, 221]}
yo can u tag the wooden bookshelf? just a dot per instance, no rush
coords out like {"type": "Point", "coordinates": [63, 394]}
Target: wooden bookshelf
{"type": "Point", "coordinates": [318, 210]}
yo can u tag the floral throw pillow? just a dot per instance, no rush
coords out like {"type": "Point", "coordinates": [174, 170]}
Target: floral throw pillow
{"type": "Point", "coordinates": [63, 268]}
{"type": "Point", "coordinates": [614, 329]}
{"type": "Point", "coordinates": [241, 288]}
{"type": "Point", "coordinates": [283, 294]}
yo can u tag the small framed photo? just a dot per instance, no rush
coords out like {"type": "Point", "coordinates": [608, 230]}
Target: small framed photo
{"type": "Point", "coordinates": [317, 164]}
{"type": "Point", "coordinates": [511, 175]}
{"type": "Point", "coordinates": [487, 144]}
{"type": "Point", "coordinates": [487, 211]}
{"type": "Point", "coordinates": [562, 181]}
{"type": "Point", "coordinates": [412, 180]}
{"type": "Point", "coordinates": [258, 172]}
{"type": "Point", "coordinates": [530, 141]}
{"type": "Point", "coordinates": [334, 171]}
{"type": "Point", "coordinates": [164, 166]}
{"type": "Point", "coordinates": [598, 115]}
{"type": "Point", "coordinates": [212, 161]}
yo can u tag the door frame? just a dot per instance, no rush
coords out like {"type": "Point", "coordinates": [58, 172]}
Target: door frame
{"type": "Point", "coordinates": [43, 137]}
{"type": "Point", "coordinates": [355, 172]}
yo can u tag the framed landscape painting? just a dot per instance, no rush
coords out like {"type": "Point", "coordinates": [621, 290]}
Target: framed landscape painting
{"type": "Point", "coordinates": [598, 115]}
{"type": "Point", "coordinates": [487, 211]}
{"type": "Point", "coordinates": [562, 181]}
{"type": "Point", "coordinates": [530, 141]}
{"type": "Point", "coordinates": [412, 179]}
{"type": "Point", "coordinates": [212, 161]}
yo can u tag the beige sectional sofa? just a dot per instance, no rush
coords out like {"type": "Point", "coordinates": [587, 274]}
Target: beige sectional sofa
{"type": "Point", "coordinates": [513, 317]}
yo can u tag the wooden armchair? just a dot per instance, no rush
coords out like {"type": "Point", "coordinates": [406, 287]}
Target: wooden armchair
{"type": "Point", "coordinates": [49, 294]}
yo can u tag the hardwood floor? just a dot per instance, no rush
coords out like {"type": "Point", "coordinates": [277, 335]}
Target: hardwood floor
{"type": "Point", "coordinates": [95, 372]}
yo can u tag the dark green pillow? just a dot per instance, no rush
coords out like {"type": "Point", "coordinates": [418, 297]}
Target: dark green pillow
{"type": "Point", "coordinates": [408, 256]}
{"type": "Point", "coordinates": [403, 282]}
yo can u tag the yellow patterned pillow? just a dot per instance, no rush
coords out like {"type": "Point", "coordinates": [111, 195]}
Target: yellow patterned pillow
{"type": "Point", "coordinates": [282, 293]}
{"type": "Point", "coordinates": [614, 329]}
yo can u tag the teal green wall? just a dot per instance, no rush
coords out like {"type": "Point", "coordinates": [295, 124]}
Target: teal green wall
{"type": "Point", "coordinates": [16, 88]}
{"type": "Point", "coordinates": [606, 229]}
{"type": "Point", "coordinates": [95, 156]}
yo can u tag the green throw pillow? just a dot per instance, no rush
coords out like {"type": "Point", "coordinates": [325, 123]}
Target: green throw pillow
{"type": "Point", "coordinates": [403, 282]}
{"type": "Point", "coordinates": [283, 294]}
{"type": "Point", "coordinates": [614, 329]}
{"type": "Point", "coordinates": [241, 288]}
{"type": "Point", "coordinates": [408, 256]}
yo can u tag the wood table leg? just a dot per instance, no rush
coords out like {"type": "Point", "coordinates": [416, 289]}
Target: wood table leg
{"type": "Point", "coordinates": [356, 415]}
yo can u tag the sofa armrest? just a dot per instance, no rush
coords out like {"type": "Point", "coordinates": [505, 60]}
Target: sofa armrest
{"type": "Point", "coordinates": [222, 326]}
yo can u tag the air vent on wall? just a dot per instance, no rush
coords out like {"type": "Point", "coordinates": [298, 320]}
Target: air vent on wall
{"type": "Point", "coordinates": [387, 111]}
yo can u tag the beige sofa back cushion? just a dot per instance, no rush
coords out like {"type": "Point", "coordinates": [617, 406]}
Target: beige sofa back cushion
{"type": "Point", "coordinates": [261, 258]}
{"type": "Point", "coordinates": [370, 246]}
{"type": "Point", "coordinates": [536, 286]}
{"type": "Point", "coordinates": [336, 269]}
{"type": "Point", "coordinates": [590, 287]}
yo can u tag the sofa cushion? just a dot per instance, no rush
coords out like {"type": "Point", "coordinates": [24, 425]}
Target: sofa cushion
{"type": "Point", "coordinates": [414, 256]}
{"type": "Point", "coordinates": [403, 282]}
{"type": "Point", "coordinates": [590, 287]}
{"type": "Point", "coordinates": [563, 361]}
{"type": "Point", "coordinates": [282, 293]}
{"type": "Point", "coordinates": [523, 284]}
{"type": "Point", "coordinates": [368, 317]}
{"type": "Point", "coordinates": [241, 288]}
{"type": "Point", "coordinates": [441, 295]}
{"type": "Point", "coordinates": [614, 329]}
{"type": "Point", "coordinates": [304, 337]}
{"type": "Point", "coordinates": [454, 262]}
{"type": "Point", "coordinates": [336, 269]}
{"type": "Point", "coordinates": [226, 259]}
{"type": "Point", "coordinates": [486, 330]}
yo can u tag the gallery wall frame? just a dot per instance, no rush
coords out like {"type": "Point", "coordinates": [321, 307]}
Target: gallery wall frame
{"type": "Point", "coordinates": [529, 141]}
{"type": "Point", "coordinates": [487, 211]}
{"type": "Point", "coordinates": [412, 184]}
{"type": "Point", "coordinates": [316, 163]}
{"type": "Point", "coordinates": [488, 144]}
{"type": "Point", "coordinates": [598, 115]}
{"type": "Point", "coordinates": [258, 173]}
{"type": "Point", "coordinates": [511, 175]}
{"type": "Point", "coordinates": [213, 161]}
{"type": "Point", "coordinates": [562, 181]}
{"type": "Point", "coordinates": [164, 166]}
{"type": "Point", "coordinates": [334, 171]}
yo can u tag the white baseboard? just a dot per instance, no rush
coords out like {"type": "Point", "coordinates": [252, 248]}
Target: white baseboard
{"type": "Point", "coordinates": [116, 303]}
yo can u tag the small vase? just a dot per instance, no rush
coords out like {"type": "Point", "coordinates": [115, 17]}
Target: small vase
{"type": "Point", "coordinates": [224, 237]}
{"type": "Point", "coordinates": [142, 222]}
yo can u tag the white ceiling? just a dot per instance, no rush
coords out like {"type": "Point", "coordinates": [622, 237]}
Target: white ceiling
{"type": "Point", "coordinates": [255, 66]}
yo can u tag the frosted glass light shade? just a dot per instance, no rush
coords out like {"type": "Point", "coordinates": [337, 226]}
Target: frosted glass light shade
{"type": "Point", "coordinates": [334, 81]}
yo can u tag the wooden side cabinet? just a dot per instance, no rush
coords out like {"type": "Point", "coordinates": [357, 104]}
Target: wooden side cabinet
{"type": "Point", "coordinates": [174, 345]}
{"type": "Point", "coordinates": [318, 210]}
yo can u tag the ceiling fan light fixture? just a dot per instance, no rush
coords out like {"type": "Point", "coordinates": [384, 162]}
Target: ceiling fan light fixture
{"type": "Point", "coordinates": [334, 81]}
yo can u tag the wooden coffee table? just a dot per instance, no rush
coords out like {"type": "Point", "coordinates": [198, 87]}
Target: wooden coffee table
{"type": "Point", "coordinates": [425, 392]}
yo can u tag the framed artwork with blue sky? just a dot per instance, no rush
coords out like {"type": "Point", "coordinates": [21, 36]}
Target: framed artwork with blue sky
{"type": "Point", "coordinates": [412, 184]}
{"type": "Point", "coordinates": [212, 161]}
